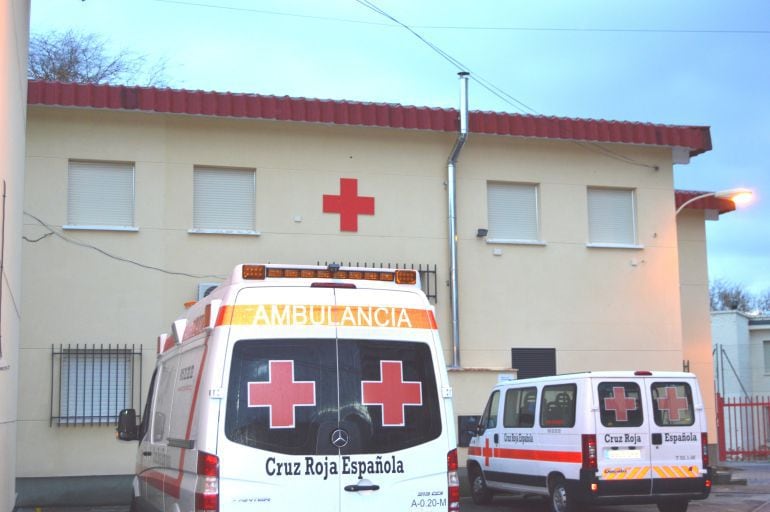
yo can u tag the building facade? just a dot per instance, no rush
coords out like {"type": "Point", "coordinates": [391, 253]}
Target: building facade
{"type": "Point", "coordinates": [569, 252]}
{"type": "Point", "coordinates": [14, 37]}
{"type": "Point", "coordinates": [741, 354]}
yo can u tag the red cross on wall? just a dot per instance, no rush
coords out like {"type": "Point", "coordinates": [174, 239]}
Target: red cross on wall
{"type": "Point", "coordinates": [673, 404]}
{"type": "Point", "coordinates": [619, 403]}
{"type": "Point", "coordinates": [391, 393]}
{"type": "Point", "coordinates": [281, 394]}
{"type": "Point", "coordinates": [348, 204]}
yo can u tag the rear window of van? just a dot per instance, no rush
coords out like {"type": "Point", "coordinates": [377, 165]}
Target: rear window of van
{"type": "Point", "coordinates": [672, 404]}
{"type": "Point", "coordinates": [620, 404]}
{"type": "Point", "coordinates": [289, 396]}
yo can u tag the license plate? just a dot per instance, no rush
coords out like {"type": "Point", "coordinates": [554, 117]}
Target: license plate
{"type": "Point", "coordinates": [623, 454]}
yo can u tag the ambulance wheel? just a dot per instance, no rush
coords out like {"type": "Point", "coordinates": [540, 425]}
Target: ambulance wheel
{"type": "Point", "coordinates": [479, 491]}
{"type": "Point", "coordinates": [560, 499]}
{"type": "Point", "coordinates": [673, 506]}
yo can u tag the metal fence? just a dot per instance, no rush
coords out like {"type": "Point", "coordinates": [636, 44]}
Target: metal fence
{"type": "Point", "coordinates": [91, 385]}
{"type": "Point", "coordinates": [743, 428]}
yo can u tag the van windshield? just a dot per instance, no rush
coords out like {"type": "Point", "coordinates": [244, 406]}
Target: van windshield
{"type": "Point", "coordinates": [289, 396]}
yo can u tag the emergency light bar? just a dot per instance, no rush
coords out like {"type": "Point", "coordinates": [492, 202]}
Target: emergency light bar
{"type": "Point", "coordinates": [261, 272]}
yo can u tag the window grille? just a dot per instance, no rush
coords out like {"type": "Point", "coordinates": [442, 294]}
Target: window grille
{"type": "Point", "coordinates": [91, 385]}
{"type": "Point", "coordinates": [427, 274]}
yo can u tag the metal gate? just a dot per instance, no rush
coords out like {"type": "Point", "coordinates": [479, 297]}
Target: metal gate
{"type": "Point", "coordinates": [743, 428]}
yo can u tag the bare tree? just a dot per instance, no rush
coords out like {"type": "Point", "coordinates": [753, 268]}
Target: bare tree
{"type": "Point", "coordinates": [83, 58]}
{"type": "Point", "coordinates": [727, 296]}
{"type": "Point", "coordinates": [762, 303]}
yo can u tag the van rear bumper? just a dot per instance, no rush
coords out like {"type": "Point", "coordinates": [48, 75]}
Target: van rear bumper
{"type": "Point", "coordinates": [638, 491]}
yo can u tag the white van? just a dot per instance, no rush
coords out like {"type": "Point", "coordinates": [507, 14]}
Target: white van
{"type": "Point", "coordinates": [299, 388]}
{"type": "Point", "coordinates": [596, 438]}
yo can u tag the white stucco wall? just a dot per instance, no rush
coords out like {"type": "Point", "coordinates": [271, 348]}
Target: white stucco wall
{"type": "Point", "coordinates": [14, 36]}
{"type": "Point", "coordinates": [600, 308]}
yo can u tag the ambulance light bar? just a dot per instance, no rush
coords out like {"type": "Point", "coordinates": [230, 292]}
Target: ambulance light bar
{"type": "Point", "coordinates": [261, 272]}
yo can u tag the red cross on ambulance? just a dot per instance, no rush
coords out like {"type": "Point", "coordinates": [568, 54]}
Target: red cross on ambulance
{"type": "Point", "coordinates": [392, 393]}
{"type": "Point", "coordinates": [281, 394]}
{"type": "Point", "coordinates": [673, 404]}
{"type": "Point", "coordinates": [620, 404]}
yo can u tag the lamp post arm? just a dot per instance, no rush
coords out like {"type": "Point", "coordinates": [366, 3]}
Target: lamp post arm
{"type": "Point", "coordinates": [693, 199]}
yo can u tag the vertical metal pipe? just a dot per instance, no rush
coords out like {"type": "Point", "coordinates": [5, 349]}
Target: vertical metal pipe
{"type": "Point", "coordinates": [452, 207]}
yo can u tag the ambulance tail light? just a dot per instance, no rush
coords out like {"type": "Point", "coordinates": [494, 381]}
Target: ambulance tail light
{"type": "Point", "coordinates": [207, 488]}
{"type": "Point", "coordinates": [589, 451]}
{"type": "Point", "coordinates": [704, 448]}
{"type": "Point", "coordinates": [453, 481]}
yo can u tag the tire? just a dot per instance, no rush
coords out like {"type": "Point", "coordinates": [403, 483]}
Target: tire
{"type": "Point", "coordinates": [673, 506]}
{"type": "Point", "coordinates": [479, 491]}
{"type": "Point", "coordinates": [560, 497]}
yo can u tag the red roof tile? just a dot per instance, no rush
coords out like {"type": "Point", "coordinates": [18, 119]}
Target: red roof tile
{"type": "Point", "coordinates": [149, 99]}
{"type": "Point", "coordinates": [707, 203]}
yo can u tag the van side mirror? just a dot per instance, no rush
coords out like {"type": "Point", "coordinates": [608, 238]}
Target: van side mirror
{"type": "Point", "coordinates": [127, 427]}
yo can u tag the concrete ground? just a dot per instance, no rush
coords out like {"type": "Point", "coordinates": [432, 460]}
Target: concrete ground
{"type": "Point", "coordinates": [748, 491]}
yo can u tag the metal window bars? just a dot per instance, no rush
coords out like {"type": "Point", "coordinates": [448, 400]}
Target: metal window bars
{"type": "Point", "coordinates": [91, 385]}
{"type": "Point", "coordinates": [427, 274]}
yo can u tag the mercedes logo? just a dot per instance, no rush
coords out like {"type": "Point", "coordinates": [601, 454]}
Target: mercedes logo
{"type": "Point", "coordinates": [340, 438]}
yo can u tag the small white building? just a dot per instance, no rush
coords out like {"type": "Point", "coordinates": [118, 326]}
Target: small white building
{"type": "Point", "coordinates": [741, 353]}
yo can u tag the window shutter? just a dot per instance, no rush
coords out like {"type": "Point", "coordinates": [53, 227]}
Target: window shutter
{"type": "Point", "coordinates": [100, 194]}
{"type": "Point", "coordinates": [533, 362]}
{"type": "Point", "coordinates": [611, 218]}
{"type": "Point", "coordinates": [512, 210]}
{"type": "Point", "coordinates": [224, 199]}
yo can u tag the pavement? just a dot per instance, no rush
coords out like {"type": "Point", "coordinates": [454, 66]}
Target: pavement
{"type": "Point", "coordinates": [748, 490]}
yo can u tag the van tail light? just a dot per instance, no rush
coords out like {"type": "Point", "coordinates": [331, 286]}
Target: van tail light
{"type": "Point", "coordinates": [453, 481]}
{"type": "Point", "coordinates": [704, 447]}
{"type": "Point", "coordinates": [207, 487]}
{"type": "Point", "coordinates": [589, 451]}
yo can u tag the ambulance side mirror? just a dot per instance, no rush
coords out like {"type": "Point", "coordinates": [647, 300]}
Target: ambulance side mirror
{"type": "Point", "coordinates": [127, 427]}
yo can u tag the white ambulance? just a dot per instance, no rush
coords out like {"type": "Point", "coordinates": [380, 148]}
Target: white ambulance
{"type": "Point", "coordinates": [299, 388]}
{"type": "Point", "coordinates": [594, 438]}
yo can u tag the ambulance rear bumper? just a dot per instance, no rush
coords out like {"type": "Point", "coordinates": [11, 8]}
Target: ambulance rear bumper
{"type": "Point", "coordinates": [639, 491]}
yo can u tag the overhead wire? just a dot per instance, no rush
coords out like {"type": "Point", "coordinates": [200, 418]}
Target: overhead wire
{"type": "Point", "coordinates": [497, 91]}
{"type": "Point", "coordinates": [474, 27]}
{"type": "Point", "coordinates": [54, 232]}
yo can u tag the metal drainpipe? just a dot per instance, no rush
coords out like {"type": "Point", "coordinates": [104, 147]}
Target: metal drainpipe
{"type": "Point", "coordinates": [452, 200]}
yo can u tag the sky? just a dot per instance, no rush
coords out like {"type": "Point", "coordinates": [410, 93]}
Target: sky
{"type": "Point", "coordinates": [683, 62]}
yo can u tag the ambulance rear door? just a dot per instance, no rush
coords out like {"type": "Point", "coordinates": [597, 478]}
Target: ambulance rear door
{"type": "Point", "coordinates": [676, 428]}
{"type": "Point", "coordinates": [281, 400]}
{"type": "Point", "coordinates": [622, 436]}
{"type": "Point", "coordinates": [393, 413]}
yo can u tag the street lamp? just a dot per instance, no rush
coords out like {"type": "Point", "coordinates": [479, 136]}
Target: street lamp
{"type": "Point", "coordinates": [736, 195]}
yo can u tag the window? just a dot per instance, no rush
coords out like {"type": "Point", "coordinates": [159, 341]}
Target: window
{"type": "Point", "coordinates": [533, 362]}
{"type": "Point", "coordinates": [620, 404]}
{"type": "Point", "coordinates": [513, 212]}
{"type": "Point", "coordinates": [672, 404]}
{"type": "Point", "coordinates": [520, 406]}
{"type": "Point", "coordinates": [611, 217]}
{"type": "Point", "coordinates": [94, 384]}
{"type": "Point", "coordinates": [224, 200]}
{"type": "Point", "coordinates": [557, 406]}
{"type": "Point", "coordinates": [489, 419]}
{"type": "Point", "coordinates": [348, 384]}
{"type": "Point", "coordinates": [766, 346]}
{"type": "Point", "coordinates": [100, 195]}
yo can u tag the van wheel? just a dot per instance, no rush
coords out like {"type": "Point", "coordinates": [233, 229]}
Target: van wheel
{"type": "Point", "coordinates": [560, 500]}
{"type": "Point", "coordinates": [673, 506]}
{"type": "Point", "coordinates": [479, 491]}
